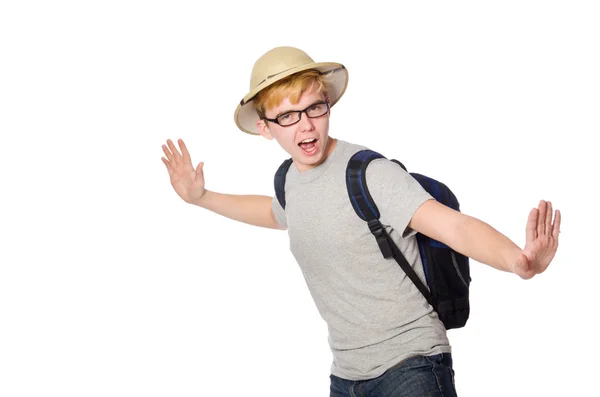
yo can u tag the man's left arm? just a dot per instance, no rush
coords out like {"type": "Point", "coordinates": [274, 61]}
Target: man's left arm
{"type": "Point", "coordinates": [480, 241]}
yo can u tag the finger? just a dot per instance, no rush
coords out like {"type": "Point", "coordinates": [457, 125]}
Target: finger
{"type": "Point", "coordinates": [541, 218]}
{"type": "Point", "coordinates": [184, 151]}
{"type": "Point", "coordinates": [556, 226]}
{"type": "Point", "coordinates": [167, 153]}
{"type": "Point", "coordinates": [176, 155]}
{"type": "Point", "coordinates": [548, 225]}
{"type": "Point", "coordinates": [167, 165]}
{"type": "Point", "coordinates": [531, 229]}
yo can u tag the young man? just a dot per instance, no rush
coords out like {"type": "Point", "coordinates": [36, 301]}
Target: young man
{"type": "Point", "coordinates": [386, 340]}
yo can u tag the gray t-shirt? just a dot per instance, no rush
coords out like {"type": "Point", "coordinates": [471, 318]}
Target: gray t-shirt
{"type": "Point", "coordinates": [376, 316]}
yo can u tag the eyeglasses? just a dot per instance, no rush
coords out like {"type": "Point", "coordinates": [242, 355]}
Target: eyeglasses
{"type": "Point", "coordinates": [290, 118]}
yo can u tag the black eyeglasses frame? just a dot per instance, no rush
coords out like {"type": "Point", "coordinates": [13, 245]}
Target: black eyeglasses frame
{"type": "Point", "coordinates": [300, 114]}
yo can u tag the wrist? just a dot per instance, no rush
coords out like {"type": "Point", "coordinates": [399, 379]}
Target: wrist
{"type": "Point", "coordinates": [511, 259]}
{"type": "Point", "coordinates": [201, 201]}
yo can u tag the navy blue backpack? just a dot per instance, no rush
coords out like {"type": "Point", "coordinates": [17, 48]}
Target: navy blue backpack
{"type": "Point", "coordinates": [446, 270]}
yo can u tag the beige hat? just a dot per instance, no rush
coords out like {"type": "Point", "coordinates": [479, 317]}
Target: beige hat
{"type": "Point", "coordinates": [281, 62]}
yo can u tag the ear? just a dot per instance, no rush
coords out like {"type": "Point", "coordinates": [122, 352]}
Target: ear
{"type": "Point", "coordinates": [262, 127]}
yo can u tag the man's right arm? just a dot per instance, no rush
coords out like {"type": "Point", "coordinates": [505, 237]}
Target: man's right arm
{"type": "Point", "coordinates": [251, 209]}
{"type": "Point", "coordinates": [189, 185]}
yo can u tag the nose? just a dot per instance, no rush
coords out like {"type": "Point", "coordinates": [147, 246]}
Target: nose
{"type": "Point", "coordinates": [305, 123]}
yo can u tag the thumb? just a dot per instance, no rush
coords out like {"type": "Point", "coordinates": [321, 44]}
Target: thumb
{"type": "Point", "coordinates": [523, 265]}
{"type": "Point", "coordinates": [199, 168]}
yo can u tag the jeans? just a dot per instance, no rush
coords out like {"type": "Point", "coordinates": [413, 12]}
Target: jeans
{"type": "Point", "coordinates": [419, 376]}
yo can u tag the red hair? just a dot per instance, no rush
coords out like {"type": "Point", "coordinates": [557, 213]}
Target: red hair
{"type": "Point", "coordinates": [292, 87]}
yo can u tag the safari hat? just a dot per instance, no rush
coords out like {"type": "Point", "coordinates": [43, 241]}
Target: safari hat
{"type": "Point", "coordinates": [279, 63]}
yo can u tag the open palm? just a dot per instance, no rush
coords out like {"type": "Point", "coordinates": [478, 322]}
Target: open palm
{"type": "Point", "coordinates": [541, 241]}
{"type": "Point", "coordinates": [187, 181]}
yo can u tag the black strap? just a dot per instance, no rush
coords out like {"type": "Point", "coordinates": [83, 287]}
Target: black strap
{"type": "Point", "coordinates": [383, 241]}
{"type": "Point", "coordinates": [409, 270]}
{"type": "Point", "coordinates": [365, 208]}
{"type": "Point", "coordinates": [280, 181]}
{"type": "Point", "coordinates": [390, 249]}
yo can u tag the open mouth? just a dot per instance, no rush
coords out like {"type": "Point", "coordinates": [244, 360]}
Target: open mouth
{"type": "Point", "coordinates": [309, 145]}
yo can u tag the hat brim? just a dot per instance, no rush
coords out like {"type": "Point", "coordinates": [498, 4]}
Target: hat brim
{"type": "Point", "coordinates": [335, 75]}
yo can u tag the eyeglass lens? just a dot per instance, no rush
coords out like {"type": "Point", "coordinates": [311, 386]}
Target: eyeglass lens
{"type": "Point", "coordinates": [316, 110]}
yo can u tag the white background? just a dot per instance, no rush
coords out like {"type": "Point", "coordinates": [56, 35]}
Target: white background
{"type": "Point", "coordinates": [110, 285]}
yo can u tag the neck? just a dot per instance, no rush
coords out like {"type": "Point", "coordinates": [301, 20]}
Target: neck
{"type": "Point", "coordinates": [331, 142]}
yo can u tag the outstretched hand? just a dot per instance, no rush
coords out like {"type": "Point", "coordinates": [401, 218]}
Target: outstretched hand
{"type": "Point", "coordinates": [187, 181]}
{"type": "Point", "coordinates": [541, 241]}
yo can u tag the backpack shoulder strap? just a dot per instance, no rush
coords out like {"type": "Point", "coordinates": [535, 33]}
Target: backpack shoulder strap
{"type": "Point", "coordinates": [356, 182]}
{"type": "Point", "coordinates": [362, 202]}
{"type": "Point", "coordinates": [365, 208]}
{"type": "Point", "coordinates": [280, 181]}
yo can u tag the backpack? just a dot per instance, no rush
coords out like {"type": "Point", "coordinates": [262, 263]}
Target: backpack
{"type": "Point", "coordinates": [446, 271]}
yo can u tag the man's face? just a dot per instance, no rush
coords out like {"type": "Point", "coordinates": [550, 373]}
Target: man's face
{"type": "Point", "coordinates": [307, 141]}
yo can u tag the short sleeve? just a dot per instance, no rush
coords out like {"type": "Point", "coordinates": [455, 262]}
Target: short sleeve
{"type": "Point", "coordinates": [396, 193]}
{"type": "Point", "coordinates": [279, 212]}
